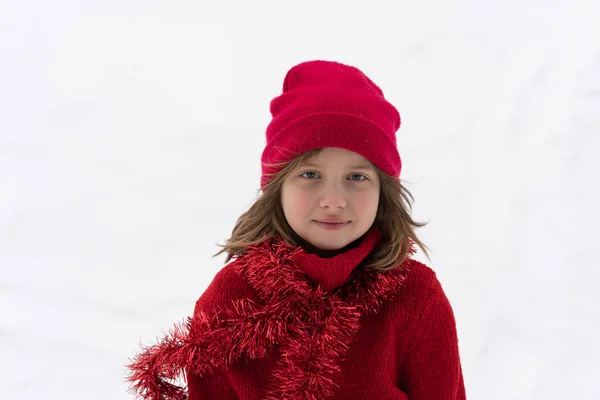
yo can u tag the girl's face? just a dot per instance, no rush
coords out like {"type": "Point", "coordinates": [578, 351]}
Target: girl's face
{"type": "Point", "coordinates": [337, 185]}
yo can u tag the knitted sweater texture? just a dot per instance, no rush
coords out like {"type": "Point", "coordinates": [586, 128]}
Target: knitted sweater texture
{"type": "Point", "coordinates": [282, 323]}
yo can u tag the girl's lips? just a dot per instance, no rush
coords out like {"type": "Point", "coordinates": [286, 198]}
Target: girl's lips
{"type": "Point", "coordinates": [332, 225]}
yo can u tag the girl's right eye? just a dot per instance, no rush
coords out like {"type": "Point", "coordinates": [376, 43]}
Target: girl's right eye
{"type": "Point", "coordinates": [308, 172]}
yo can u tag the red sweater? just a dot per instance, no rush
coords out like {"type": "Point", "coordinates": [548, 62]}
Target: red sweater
{"type": "Point", "coordinates": [286, 324]}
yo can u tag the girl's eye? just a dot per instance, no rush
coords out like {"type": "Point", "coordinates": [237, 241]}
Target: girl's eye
{"type": "Point", "coordinates": [308, 172]}
{"type": "Point", "coordinates": [359, 175]}
{"type": "Point", "coordinates": [312, 175]}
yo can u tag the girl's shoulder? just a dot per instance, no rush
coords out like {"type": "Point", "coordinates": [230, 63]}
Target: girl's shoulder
{"type": "Point", "coordinates": [226, 287]}
{"type": "Point", "coordinates": [421, 281]}
{"type": "Point", "coordinates": [421, 297]}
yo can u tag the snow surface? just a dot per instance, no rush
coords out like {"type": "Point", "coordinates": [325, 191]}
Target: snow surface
{"type": "Point", "coordinates": [130, 138]}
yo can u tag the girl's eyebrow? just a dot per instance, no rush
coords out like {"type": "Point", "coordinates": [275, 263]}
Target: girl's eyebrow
{"type": "Point", "coordinates": [355, 166]}
{"type": "Point", "coordinates": [361, 166]}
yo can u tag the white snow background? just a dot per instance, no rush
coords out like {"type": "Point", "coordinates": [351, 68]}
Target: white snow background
{"type": "Point", "coordinates": [130, 139]}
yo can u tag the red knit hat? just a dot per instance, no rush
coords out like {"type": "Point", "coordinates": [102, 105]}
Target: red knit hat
{"type": "Point", "coordinates": [329, 104]}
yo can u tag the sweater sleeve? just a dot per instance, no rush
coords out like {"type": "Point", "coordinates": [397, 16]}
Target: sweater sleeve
{"type": "Point", "coordinates": [225, 287]}
{"type": "Point", "coordinates": [212, 387]}
{"type": "Point", "coordinates": [431, 368]}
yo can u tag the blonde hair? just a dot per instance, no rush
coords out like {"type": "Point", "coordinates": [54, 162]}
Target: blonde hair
{"type": "Point", "coordinates": [265, 219]}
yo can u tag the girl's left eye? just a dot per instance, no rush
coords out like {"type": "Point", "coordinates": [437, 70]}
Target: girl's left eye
{"type": "Point", "coordinates": [359, 175]}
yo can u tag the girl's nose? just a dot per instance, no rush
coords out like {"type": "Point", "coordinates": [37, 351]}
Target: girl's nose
{"type": "Point", "coordinates": [332, 198]}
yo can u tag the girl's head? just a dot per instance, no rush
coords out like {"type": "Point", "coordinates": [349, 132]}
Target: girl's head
{"type": "Point", "coordinates": [334, 184]}
{"type": "Point", "coordinates": [330, 155]}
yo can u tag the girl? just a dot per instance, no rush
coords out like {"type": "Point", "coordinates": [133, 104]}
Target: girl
{"type": "Point", "coordinates": [321, 299]}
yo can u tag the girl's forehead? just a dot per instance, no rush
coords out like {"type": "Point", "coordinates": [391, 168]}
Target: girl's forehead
{"type": "Point", "coordinates": [351, 161]}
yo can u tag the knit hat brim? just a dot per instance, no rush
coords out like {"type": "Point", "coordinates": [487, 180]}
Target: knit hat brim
{"type": "Point", "coordinates": [321, 130]}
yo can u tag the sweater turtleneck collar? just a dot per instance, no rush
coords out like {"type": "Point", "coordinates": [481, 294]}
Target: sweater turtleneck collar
{"type": "Point", "coordinates": [332, 269]}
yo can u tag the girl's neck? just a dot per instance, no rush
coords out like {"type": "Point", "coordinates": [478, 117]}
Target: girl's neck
{"type": "Point", "coordinates": [309, 248]}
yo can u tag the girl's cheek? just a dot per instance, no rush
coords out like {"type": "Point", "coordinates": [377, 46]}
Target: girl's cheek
{"type": "Point", "coordinates": [299, 197]}
{"type": "Point", "coordinates": [365, 200]}
{"type": "Point", "coordinates": [304, 200]}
